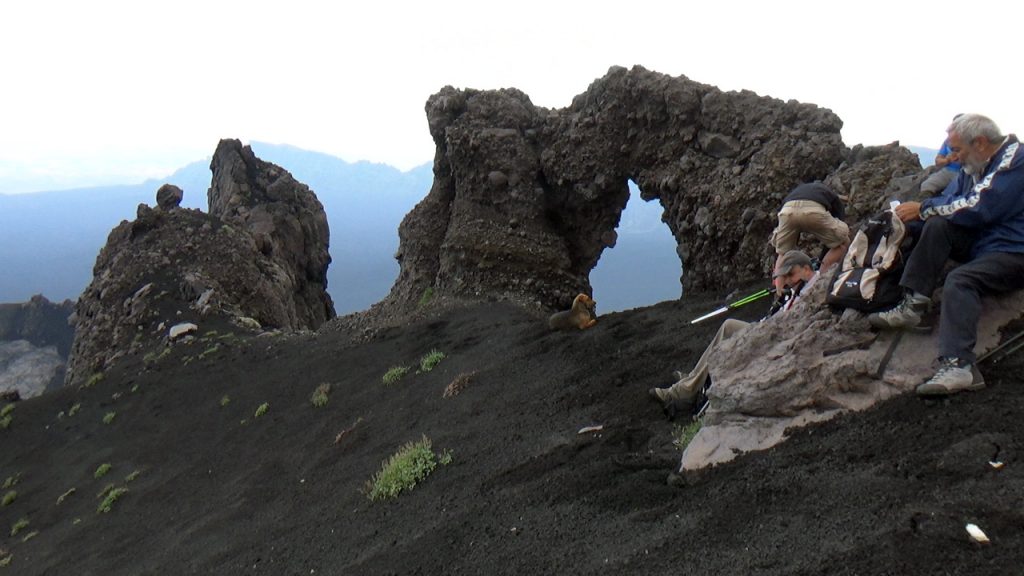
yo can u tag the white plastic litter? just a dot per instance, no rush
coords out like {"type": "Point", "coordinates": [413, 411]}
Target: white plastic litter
{"type": "Point", "coordinates": [977, 534]}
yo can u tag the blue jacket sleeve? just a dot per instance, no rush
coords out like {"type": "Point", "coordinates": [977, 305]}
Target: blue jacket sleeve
{"type": "Point", "coordinates": [997, 197]}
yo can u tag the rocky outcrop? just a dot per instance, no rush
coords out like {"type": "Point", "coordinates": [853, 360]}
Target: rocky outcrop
{"type": "Point", "coordinates": [872, 176]}
{"type": "Point", "coordinates": [259, 259]}
{"type": "Point", "coordinates": [29, 370]}
{"type": "Point", "coordinates": [286, 221]}
{"type": "Point", "coordinates": [525, 199]}
{"type": "Point", "coordinates": [35, 340]}
{"type": "Point", "coordinates": [811, 364]}
{"type": "Point", "coordinates": [40, 322]}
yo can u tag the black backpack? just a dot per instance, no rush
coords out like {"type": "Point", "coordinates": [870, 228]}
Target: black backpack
{"type": "Point", "coordinates": [868, 278]}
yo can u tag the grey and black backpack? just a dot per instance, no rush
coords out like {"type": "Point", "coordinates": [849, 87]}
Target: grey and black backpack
{"type": "Point", "coordinates": [868, 278]}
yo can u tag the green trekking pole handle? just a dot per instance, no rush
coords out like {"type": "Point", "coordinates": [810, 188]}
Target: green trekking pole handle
{"type": "Point", "coordinates": [742, 301]}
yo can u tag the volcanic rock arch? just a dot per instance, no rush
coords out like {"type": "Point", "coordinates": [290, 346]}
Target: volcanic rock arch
{"type": "Point", "coordinates": [525, 198]}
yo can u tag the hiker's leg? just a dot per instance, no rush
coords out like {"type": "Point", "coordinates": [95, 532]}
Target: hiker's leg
{"type": "Point", "coordinates": [786, 234]}
{"type": "Point", "coordinates": [937, 182]}
{"type": "Point", "coordinates": [833, 256]}
{"type": "Point", "coordinates": [940, 239]}
{"type": "Point", "coordinates": [688, 385]}
{"type": "Point", "coordinates": [992, 273]}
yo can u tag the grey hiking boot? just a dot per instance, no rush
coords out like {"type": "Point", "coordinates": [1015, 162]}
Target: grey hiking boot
{"type": "Point", "coordinates": [952, 378]}
{"type": "Point", "coordinates": [906, 314]}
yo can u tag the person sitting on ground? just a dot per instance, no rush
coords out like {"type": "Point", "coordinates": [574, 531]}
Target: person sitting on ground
{"type": "Point", "coordinates": [979, 221]}
{"type": "Point", "coordinates": [948, 168]}
{"type": "Point", "coordinates": [795, 273]}
{"type": "Point", "coordinates": [816, 210]}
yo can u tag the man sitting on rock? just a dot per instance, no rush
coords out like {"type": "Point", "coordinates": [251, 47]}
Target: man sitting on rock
{"type": "Point", "coordinates": [816, 210]}
{"type": "Point", "coordinates": [980, 222]}
{"type": "Point", "coordinates": [794, 273]}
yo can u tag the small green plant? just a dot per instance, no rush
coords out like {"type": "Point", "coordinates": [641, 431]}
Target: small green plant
{"type": "Point", "coordinates": [262, 409]}
{"type": "Point", "coordinates": [11, 482]}
{"type": "Point", "coordinates": [430, 360]}
{"type": "Point", "coordinates": [93, 380]}
{"type": "Point", "coordinates": [211, 350]}
{"type": "Point", "coordinates": [101, 470]}
{"type": "Point", "coordinates": [19, 526]}
{"type": "Point", "coordinates": [74, 409]}
{"type": "Point", "coordinates": [426, 297]}
{"type": "Point", "coordinates": [109, 417]}
{"type": "Point", "coordinates": [134, 389]}
{"type": "Point", "coordinates": [30, 536]}
{"type": "Point", "coordinates": [5, 560]}
{"type": "Point", "coordinates": [153, 356]}
{"type": "Point", "coordinates": [225, 400]}
{"type": "Point", "coordinates": [64, 496]}
{"type": "Point", "coordinates": [6, 417]}
{"type": "Point", "coordinates": [9, 497]}
{"type": "Point", "coordinates": [112, 497]}
{"type": "Point", "coordinates": [131, 477]}
{"type": "Point", "coordinates": [106, 490]}
{"type": "Point", "coordinates": [404, 469]}
{"type": "Point", "coordinates": [682, 435]}
{"type": "Point", "coordinates": [319, 397]}
{"type": "Point", "coordinates": [394, 374]}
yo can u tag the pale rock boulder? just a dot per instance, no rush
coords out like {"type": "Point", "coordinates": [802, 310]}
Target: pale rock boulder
{"type": "Point", "coordinates": [180, 330]}
{"type": "Point", "coordinates": [30, 370]}
{"type": "Point", "coordinates": [774, 375]}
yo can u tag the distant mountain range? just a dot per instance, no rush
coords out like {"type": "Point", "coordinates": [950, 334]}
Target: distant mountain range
{"type": "Point", "coordinates": [49, 240]}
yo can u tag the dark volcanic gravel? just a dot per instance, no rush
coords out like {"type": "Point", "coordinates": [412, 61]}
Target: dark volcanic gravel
{"type": "Point", "coordinates": [220, 491]}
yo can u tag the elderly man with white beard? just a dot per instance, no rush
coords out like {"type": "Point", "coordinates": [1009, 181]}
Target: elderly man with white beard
{"type": "Point", "coordinates": [978, 222]}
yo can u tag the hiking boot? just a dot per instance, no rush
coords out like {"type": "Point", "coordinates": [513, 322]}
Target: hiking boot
{"type": "Point", "coordinates": [660, 394]}
{"type": "Point", "coordinates": [906, 314]}
{"type": "Point", "coordinates": [671, 404]}
{"type": "Point", "coordinates": [952, 378]}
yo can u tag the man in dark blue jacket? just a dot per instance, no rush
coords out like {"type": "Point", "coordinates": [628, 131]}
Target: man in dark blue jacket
{"type": "Point", "coordinates": [980, 222]}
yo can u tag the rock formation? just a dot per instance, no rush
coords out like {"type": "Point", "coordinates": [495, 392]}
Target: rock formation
{"type": "Point", "coordinates": [525, 199]}
{"type": "Point", "coordinates": [286, 221]}
{"type": "Point", "coordinates": [782, 373]}
{"type": "Point", "coordinates": [871, 176]}
{"type": "Point", "coordinates": [35, 340]}
{"type": "Point", "coordinates": [261, 254]}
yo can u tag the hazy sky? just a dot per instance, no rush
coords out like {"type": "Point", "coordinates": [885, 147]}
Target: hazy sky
{"type": "Point", "coordinates": [139, 88]}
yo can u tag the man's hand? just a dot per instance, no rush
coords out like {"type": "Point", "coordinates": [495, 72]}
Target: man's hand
{"type": "Point", "coordinates": [941, 161]}
{"type": "Point", "coordinates": [908, 211]}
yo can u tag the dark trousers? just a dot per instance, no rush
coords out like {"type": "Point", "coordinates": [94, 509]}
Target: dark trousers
{"type": "Point", "coordinates": [987, 274]}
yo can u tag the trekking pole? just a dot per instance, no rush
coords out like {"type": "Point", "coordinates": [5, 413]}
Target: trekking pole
{"type": "Point", "coordinates": [1002, 349]}
{"type": "Point", "coordinates": [742, 301]}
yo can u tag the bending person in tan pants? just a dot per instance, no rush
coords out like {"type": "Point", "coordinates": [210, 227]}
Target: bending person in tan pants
{"type": "Point", "coordinates": [816, 210]}
{"type": "Point", "coordinates": [793, 272]}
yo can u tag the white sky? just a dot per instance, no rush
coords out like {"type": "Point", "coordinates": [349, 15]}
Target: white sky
{"type": "Point", "coordinates": [142, 87]}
